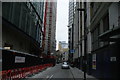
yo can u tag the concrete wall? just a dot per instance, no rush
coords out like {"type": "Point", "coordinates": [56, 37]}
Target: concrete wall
{"type": "Point", "coordinates": [89, 48]}
{"type": "Point", "coordinates": [113, 15]}
{"type": "Point", "coordinates": [104, 67]}
{"type": "Point", "coordinates": [75, 55]}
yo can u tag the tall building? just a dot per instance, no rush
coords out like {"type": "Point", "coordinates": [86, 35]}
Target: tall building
{"type": "Point", "coordinates": [104, 27]}
{"type": "Point", "coordinates": [71, 28]}
{"type": "Point", "coordinates": [49, 43]}
{"type": "Point", "coordinates": [62, 44]}
{"type": "Point", "coordinates": [98, 27]}
{"type": "Point", "coordinates": [78, 33]}
{"type": "Point", "coordinates": [22, 26]}
{"type": "Point", "coordinates": [63, 49]}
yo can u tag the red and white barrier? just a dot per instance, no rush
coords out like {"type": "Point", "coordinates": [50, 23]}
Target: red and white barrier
{"type": "Point", "coordinates": [16, 74]}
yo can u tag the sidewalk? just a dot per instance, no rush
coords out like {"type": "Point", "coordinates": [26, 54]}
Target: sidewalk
{"type": "Point", "coordinates": [77, 73]}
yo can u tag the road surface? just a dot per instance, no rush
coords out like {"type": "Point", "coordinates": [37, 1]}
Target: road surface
{"type": "Point", "coordinates": [56, 72]}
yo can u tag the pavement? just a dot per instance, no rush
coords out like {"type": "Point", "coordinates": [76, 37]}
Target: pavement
{"type": "Point", "coordinates": [53, 73]}
{"type": "Point", "coordinates": [79, 74]}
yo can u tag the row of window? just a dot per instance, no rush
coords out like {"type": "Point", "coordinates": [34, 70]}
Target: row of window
{"type": "Point", "coordinates": [23, 17]}
{"type": "Point", "coordinates": [96, 43]}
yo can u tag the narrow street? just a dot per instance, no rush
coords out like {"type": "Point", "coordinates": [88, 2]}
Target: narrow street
{"type": "Point", "coordinates": [40, 37]}
{"type": "Point", "coordinates": [56, 72]}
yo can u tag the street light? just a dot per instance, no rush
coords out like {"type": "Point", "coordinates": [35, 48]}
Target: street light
{"type": "Point", "coordinates": [84, 58]}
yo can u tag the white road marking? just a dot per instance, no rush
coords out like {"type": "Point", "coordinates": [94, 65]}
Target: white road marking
{"type": "Point", "coordinates": [47, 77]}
{"type": "Point", "coordinates": [51, 76]}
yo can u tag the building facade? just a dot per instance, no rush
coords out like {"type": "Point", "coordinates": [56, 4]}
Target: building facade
{"type": "Point", "coordinates": [63, 49]}
{"type": "Point", "coordinates": [49, 43]}
{"type": "Point", "coordinates": [22, 26]}
{"type": "Point", "coordinates": [71, 29]}
{"type": "Point", "coordinates": [96, 38]}
{"type": "Point", "coordinates": [104, 29]}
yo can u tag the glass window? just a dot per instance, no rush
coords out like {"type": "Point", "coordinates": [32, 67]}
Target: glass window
{"type": "Point", "coordinates": [6, 8]}
{"type": "Point", "coordinates": [16, 13]}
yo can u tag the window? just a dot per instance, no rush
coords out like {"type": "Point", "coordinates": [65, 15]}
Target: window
{"type": "Point", "coordinates": [7, 10]}
{"type": "Point", "coordinates": [106, 23]}
{"type": "Point", "coordinates": [106, 26]}
{"type": "Point", "coordinates": [16, 13]}
{"type": "Point", "coordinates": [95, 40]}
{"type": "Point", "coordinates": [91, 8]}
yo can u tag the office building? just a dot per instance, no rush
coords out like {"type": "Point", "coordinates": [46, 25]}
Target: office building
{"type": "Point", "coordinates": [71, 29]}
{"type": "Point", "coordinates": [97, 25]}
{"type": "Point", "coordinates": [49, 41]}
{"type": "Point", "coordinates": [63, 49]}
{"type": "Point", "coordinates": [104, 29]}
{"type": "Point", "coordinates": [22, 26]}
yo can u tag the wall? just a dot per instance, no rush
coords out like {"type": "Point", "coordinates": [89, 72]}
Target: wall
{"type": "Point", "coordinates": [113, 15]}
{"type": "Point", "coordinates": [105, 68]}
{"type": "Point", "coordinates": [12, 37]}
{"type": "Point", "coordinates": [0, 36]}
{"type": "Point", "coordinates": [50, 41]}
{"type": "Point", "coordinates": [75, 55]}
{"type": "Point", "coordinates": [88, 27]}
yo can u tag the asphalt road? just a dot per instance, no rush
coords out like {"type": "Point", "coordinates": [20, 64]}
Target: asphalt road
{"type": "Point", "coordinates": [56, 72]}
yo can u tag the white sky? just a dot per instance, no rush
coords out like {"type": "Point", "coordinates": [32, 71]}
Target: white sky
{"type": "Point", "coordinates": [62, 21]}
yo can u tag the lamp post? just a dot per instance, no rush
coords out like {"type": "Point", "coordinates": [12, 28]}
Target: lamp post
{"type": "Point", "coordinates": [85, 38]}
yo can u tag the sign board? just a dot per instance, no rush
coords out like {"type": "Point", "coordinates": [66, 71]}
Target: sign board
{"type": "Point", "coordinates": [72, 51]}
{"type": "Point", "coordinates": [113, 59]}
{"type": "Point", "coordinates": [94, 61]}
{"type": "Point", "coordinates": [94, 64]}
{"type": "Point", "coordinates": [19, 59]}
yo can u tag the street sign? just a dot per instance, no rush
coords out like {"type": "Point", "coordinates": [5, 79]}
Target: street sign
{"type": "Point", "coordinates": [113, 59]}
{"type": "Point", "coordinates": [72, 51]}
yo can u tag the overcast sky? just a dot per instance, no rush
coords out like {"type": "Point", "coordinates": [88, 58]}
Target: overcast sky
{"type": "Point", "coordinates": [62, 21]}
